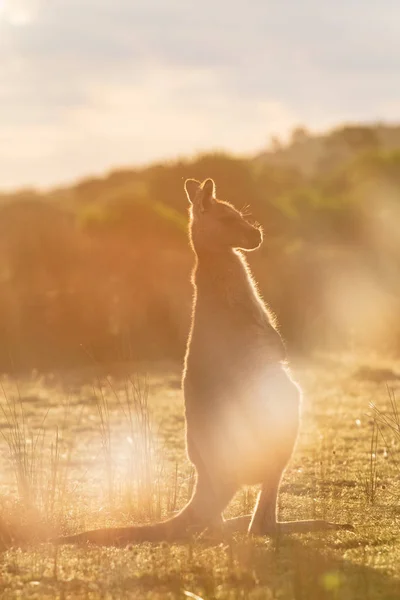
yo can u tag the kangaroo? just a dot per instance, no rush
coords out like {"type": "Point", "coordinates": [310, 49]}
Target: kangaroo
{"type": "Point", "coordinates": [242, 406]}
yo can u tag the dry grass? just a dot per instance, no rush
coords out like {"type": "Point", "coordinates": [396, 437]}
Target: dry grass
{"type": "Point", "coordinates": [89, 452]}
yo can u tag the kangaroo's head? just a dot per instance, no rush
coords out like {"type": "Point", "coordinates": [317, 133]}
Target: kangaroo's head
{"type": "Point", "coordinates": [216, 225]}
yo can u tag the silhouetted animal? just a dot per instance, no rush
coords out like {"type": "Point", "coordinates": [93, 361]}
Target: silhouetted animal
{"type": "Point", "coordinates": [242, 406]}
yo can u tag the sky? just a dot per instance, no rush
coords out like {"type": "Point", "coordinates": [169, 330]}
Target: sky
{"type": "Point", "coordinates": [90, 85]}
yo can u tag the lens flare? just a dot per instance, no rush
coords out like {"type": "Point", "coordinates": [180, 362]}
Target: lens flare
{"type": "Point", "coordinates": [20, 13]}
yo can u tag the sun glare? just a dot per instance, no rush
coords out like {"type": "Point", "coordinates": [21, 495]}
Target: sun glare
{"type": "Point", "coordinates": [19, 13]}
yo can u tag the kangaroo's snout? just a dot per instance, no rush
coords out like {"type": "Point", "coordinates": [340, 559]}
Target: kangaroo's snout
{"type": "Point", "coordinates": [252, 238]}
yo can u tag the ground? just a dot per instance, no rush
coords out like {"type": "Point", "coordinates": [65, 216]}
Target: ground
{"type": "Point", "coordinates": [77, 451]}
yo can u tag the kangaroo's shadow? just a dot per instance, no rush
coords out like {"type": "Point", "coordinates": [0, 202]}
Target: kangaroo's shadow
{"type": "Point", "coordinates": [308, 570]}
{"type": "Point", "coordinates": [302, 569]}
{"type": "Point", "coordinates": [313, 572]}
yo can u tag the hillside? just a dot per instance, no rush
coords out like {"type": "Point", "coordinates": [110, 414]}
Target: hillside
{"type": "Point", "coordinates": [100, 270]}
{"type": "Point", "coordinates": [313, 154]}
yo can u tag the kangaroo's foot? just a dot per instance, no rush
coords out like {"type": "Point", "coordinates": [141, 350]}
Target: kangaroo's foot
{"type": "Point", "coordinates": [242, 524]}
{"type": "Point", "coordinates": [264, 520]}
{"type": "Point", "coordinates": [308, 526]}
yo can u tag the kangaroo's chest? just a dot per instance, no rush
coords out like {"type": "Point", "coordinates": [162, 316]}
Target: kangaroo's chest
{"type": "Point", "coordinates": [228, 343]}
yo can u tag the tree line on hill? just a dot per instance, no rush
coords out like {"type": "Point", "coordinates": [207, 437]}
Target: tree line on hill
{"type": "Point", "coordinates": [99, 271]}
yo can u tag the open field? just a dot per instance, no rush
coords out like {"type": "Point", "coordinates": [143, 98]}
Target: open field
{"type": "Point", "coordinates": [107, 451]}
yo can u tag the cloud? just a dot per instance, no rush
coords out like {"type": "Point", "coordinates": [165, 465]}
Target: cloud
{"type": "Point", "coordinates": [179, 106]}
{"type": "Point", "coordinates": [20, 13]}
{"type": "Point", "coordinates": [166, 114]}
{"type": "Point", "coordinates": [160, 79]}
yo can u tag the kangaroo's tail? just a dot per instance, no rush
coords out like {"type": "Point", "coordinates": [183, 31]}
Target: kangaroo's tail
{"type": "Point", "coordinates": [179, 527]}
{"type": "Point", "coordinates": [203, 509]}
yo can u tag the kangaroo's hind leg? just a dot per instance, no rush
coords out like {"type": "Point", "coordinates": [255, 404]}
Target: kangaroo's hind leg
{"type": "Point", "coordinates": [264, 519]}
{"type": "Point", "coordinates": [265, 522]}
{"type": "Point", "coordinates": [210, 498]}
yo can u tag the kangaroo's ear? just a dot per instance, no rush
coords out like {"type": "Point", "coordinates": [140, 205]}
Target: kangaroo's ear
{"type": "Point", "coordinates": [192, 186]}
{"type": "Point", "coordinates": [208, 193]}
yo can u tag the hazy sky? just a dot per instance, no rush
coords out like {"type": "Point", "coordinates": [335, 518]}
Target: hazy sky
{"type": "Point", "coordinates": [86, 85]}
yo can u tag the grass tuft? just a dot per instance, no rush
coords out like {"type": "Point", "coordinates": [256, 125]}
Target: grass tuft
{"type": "Point", "coordinates": [114, 454]}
